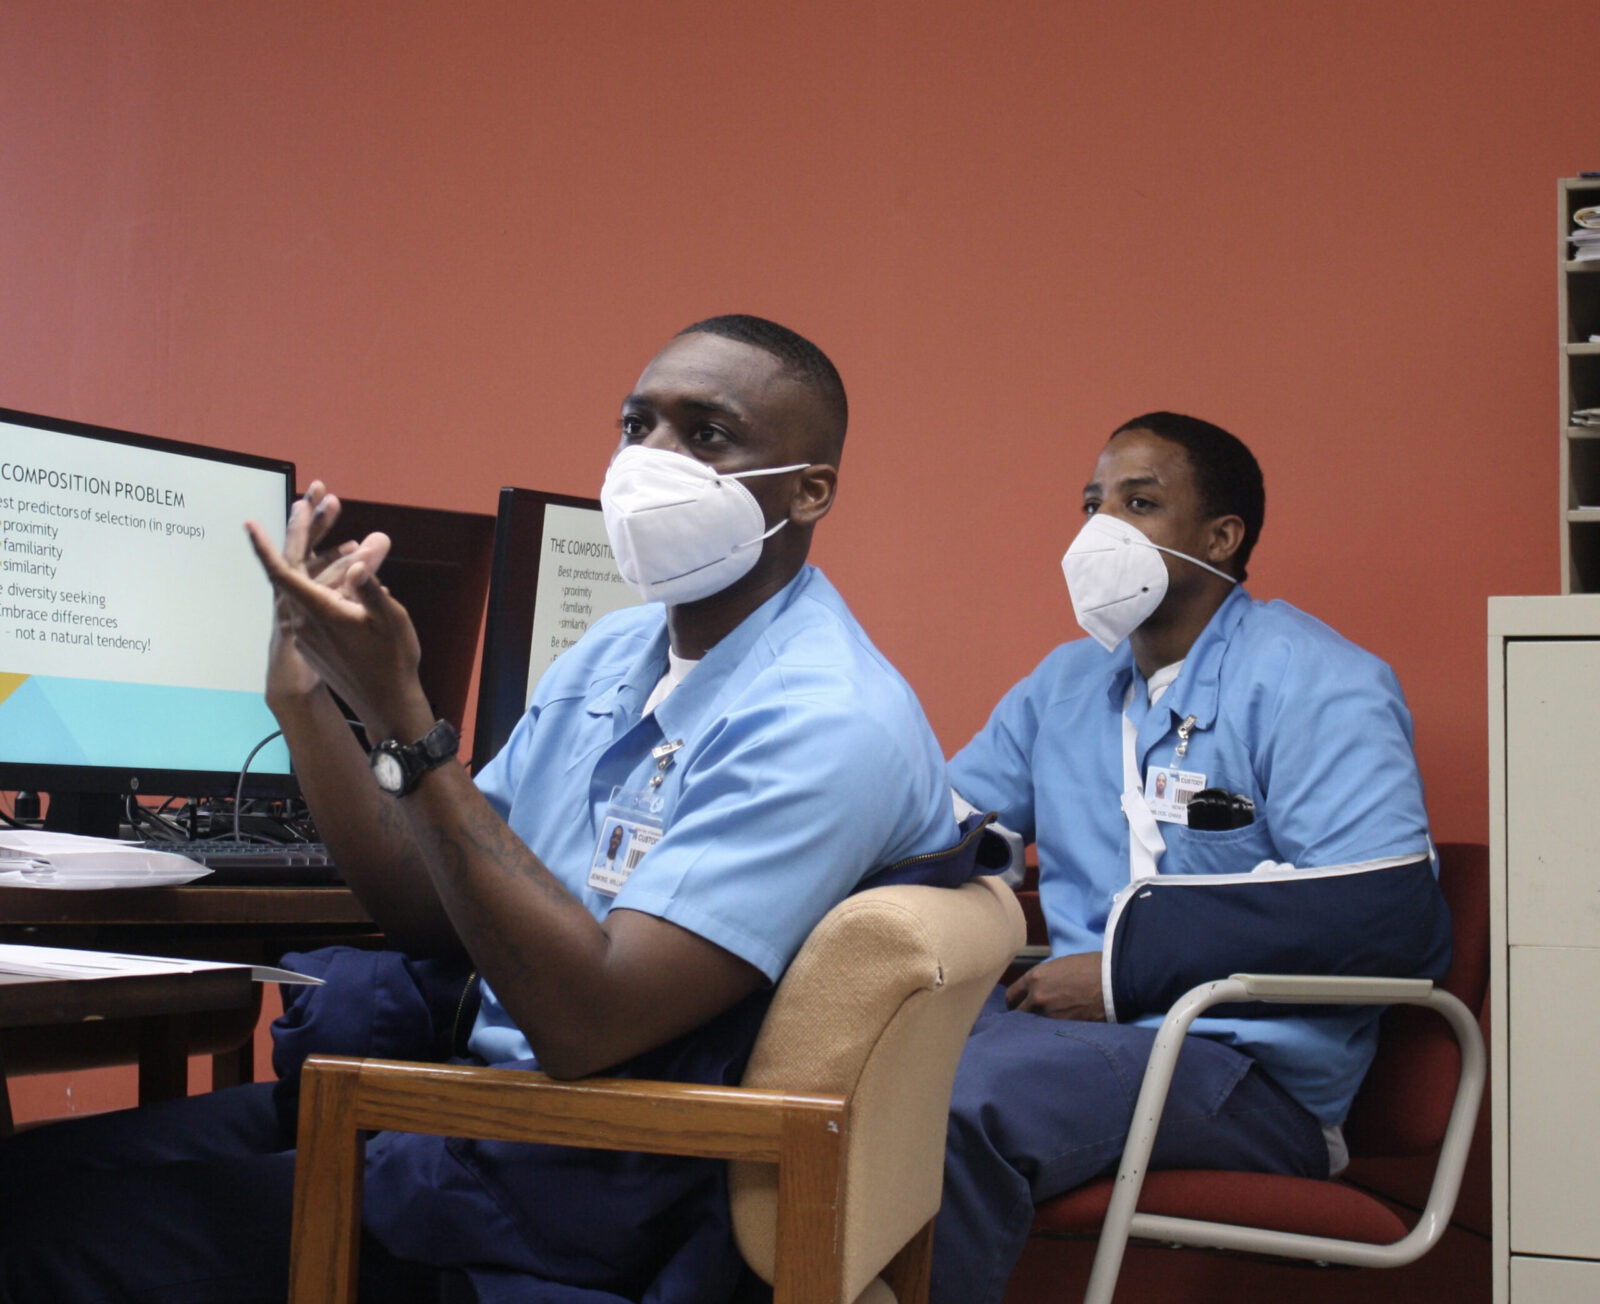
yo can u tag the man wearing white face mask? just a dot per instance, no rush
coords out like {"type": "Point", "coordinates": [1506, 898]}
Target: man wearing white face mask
{"type": "Point", "coordinates": [694, 785]}
{"type": "Point", "coordinates": [1214, 785]}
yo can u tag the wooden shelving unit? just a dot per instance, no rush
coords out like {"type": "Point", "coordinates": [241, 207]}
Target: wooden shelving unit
{"type": "Point", "coordinates": [1579, 299]}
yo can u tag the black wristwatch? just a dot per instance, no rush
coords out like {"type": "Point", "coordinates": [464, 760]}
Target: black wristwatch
{"type": "Point", "coordinates": [399, 767]}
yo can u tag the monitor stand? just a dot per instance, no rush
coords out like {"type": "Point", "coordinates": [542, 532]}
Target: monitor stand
{"type": "Point", "coordinates": [97, 814]}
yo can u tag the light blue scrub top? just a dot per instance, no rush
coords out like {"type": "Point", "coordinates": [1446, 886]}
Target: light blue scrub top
{"type": "Point", "coordinates": [1306, 724]}
{"type": "Point", "coordinates": [806, 763]}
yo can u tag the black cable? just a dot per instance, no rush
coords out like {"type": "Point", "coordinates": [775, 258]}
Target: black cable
{"type": "Point", "coordinates": [238, 791]}
{"type": "Point", "coordinates": [156, 822]}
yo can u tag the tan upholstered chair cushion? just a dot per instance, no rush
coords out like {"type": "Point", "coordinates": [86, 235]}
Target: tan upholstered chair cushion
{"type": "Point", "coordinates": [876, 1293]}
{"type": "Point", "coordinates": [876, 1007]}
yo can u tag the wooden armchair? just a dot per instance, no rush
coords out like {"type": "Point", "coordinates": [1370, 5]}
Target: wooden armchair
{"type": "Point", "coordinates": [837, 1132]}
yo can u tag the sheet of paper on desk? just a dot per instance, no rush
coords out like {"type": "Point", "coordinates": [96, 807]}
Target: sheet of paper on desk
{"type": "Point", "coordinates": [71, 862]}
{"type": "Point", "coordinates": [60, 962]}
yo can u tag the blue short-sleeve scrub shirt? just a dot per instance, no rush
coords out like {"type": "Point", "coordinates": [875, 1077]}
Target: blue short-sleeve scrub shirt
{"type": "Point", "coordinates": [806, 763]}
{"type": "Point", "coordinates": [1314, 730]}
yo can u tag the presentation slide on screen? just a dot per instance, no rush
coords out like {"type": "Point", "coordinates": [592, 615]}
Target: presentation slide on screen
{"type": "Point", "coordinates": [134, 619]}
{"type": "Point", "coordinates": [578, 583]}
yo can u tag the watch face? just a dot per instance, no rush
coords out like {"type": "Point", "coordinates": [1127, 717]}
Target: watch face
{"type": "Point", "coordinates": [388, 771]}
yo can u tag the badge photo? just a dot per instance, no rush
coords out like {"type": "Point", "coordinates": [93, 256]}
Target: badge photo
{"type": "Point", "coordinates": [630, 827]}
{"type": "Point", "coordinates": [1167, 792]}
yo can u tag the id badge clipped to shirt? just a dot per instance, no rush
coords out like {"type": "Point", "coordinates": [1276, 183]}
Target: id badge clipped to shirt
{"type": "Point", "coordinates": [630, 827]}
{"type": "Point", "coordinates": [1167, 792]}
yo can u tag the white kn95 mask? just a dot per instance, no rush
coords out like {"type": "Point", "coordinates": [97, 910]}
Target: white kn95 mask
{"type": "Point", "coordinates": [679, 530]}
{"type": "Point", "coordinates": [1116, 577]}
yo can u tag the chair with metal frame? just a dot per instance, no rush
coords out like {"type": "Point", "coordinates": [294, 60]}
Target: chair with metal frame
{"type": "Point", "coordinates": [1420, 1097]}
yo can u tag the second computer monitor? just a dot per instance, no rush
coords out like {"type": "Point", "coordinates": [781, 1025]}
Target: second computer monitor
{"type": "Point", "coordinates": [438, 570]}
{"type": "Point", "coordinates": [553, 577]}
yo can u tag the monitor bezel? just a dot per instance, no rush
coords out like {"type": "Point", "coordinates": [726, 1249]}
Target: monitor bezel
{"type": "Point", "coordinates": [118, 781]}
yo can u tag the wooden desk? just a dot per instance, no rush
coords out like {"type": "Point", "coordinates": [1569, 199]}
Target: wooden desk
{"type": "Point", "coordinates": [155, 1007]}
{"type": "Point", "coordinates": [294, 908]}
{"type": "Point", "coordinates": [246, 925]}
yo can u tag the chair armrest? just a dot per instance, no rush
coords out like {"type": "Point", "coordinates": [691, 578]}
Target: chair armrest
{"type": "Point", "coordinates": [601, 1113]}
{"type": "Point", "coordinates": [341, 1098]}
{"type": "Point", "coordinates": [1302, 990]}
{"type": "Point", "coordinates": [1121, 1216]}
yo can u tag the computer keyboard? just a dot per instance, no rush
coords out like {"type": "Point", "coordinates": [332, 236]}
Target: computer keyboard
{"type": "Point", "coordinates": [254, 864]}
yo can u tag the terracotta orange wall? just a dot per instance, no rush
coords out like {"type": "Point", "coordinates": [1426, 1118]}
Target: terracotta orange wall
{"type": "Point", "coordinates": [424, 249]}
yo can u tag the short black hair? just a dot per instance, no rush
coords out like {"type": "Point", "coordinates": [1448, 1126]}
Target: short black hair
{"type": "Point", "coordinates": [1226, 473]}
{"type": "Point", "coordinates": [801, 359]}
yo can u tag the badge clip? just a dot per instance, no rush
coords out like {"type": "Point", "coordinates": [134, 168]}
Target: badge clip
{"type": "Point", "coordinates": [662, 755]}
{"type": "Point", "coordinates": [1184, 730]}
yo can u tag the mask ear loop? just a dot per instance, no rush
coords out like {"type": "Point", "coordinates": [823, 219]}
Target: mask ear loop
{"type": "Point", "coordinates": [762, 538]}
{"type": "Point", "coordinates": [1220, 574]}
{"type": "Point", "coordinates": [766, 470]}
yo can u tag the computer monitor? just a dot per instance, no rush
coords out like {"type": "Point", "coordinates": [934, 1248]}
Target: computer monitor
{"type": "Point", "coordinates": [438, 570]}
{"type": "Point", "coordinates": [553, 577]}
{"type": "Point", "coordinates": [134, 619]}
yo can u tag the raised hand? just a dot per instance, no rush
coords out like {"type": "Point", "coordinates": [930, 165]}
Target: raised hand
{"type": "Point", "coordinates": [289, 675]}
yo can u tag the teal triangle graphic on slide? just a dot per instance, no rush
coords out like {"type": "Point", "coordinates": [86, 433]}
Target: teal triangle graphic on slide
{"type": "Point", "coordinates": [53, 720]}
{"type": "Point", "coordinates": [30, 714]}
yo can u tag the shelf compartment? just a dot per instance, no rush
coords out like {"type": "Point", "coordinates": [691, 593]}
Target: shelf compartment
{"type": "Point", "coordinates": [1583, 310]}
{"type": "Point", "coordinates": [1583, 548]}
{"type": "Point", "coordinates": [1583, 377]}
{"type": "Point", "coordinates": [1583, 476]}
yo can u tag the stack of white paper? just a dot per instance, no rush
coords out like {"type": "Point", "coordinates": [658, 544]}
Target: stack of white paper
{"type": "Point", "coordinates": [29, 858]}
{"type": "Point", "coordinates": [57, 962]}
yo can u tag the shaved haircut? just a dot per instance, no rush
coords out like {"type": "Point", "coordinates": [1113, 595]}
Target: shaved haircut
{"type": "Point", "coordinates": [1226, 473]}
{"type": "Point", "coordinates": [802, 360]}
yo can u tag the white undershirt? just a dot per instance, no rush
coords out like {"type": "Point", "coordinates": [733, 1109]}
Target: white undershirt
{"type": "Point", "coordinates": [678, 669]}
{"type": "Point", "coordinates": [1162, 680]}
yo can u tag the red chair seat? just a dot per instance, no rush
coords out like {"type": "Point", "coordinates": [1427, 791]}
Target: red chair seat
{"type": "Point", "coordinates": [1288, 1204]}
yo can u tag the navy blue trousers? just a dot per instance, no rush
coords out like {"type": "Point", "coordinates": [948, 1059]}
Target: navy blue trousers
{"type": "Point", "coordinates": [185, 1202]}
{"type": "Point", "coordinates": [1043, 1105]}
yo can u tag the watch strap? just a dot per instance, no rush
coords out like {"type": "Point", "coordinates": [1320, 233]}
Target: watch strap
{"type": "Point", "coordinates": [433, 749]}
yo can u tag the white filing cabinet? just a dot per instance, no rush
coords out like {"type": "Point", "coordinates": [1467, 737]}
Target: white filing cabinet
{"type": "Point", "coordinates": [1544, 871]}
